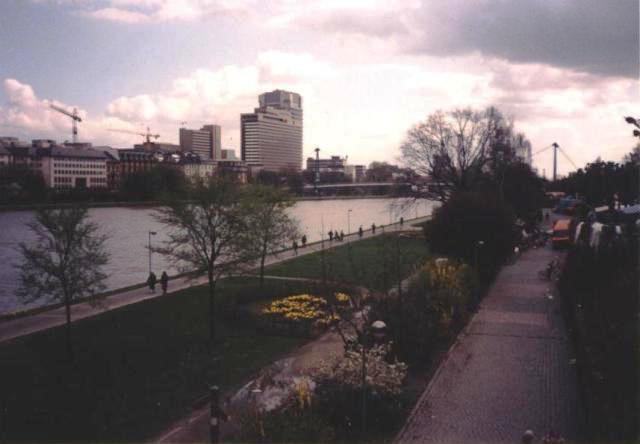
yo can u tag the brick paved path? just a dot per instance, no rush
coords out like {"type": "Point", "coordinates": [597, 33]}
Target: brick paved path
{"type": "Point", "coordinates": [509, 371]}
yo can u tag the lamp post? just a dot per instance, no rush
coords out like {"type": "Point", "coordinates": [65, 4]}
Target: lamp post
{"type": "Point", "coordinates": [349, 221]}
{"type": "Point", "coordinates": [635, 122]}
{"type": "Point", "coordinates": [151, 233]}
{"type": "Point", "coordinates": [376, 331]}
{"type": "Point", "coordinates": [479, 244]}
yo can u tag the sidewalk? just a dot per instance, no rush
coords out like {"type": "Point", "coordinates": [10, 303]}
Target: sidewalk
{"type": "Point", "coordinates": [510, 369]}
{"type": "Point", "coordinates": [11, 329]}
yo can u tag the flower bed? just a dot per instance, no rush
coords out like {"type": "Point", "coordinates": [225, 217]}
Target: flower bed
{"type": "Point", "coordinates": [300, 314]}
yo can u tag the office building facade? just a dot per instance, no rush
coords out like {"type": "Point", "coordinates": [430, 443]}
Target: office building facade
{"type": "Point", "coordinates": [271, 136]}
{"type": "Point", "coordinates": [205, 142]}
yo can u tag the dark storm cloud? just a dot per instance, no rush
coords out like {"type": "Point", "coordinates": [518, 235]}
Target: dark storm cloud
{"type": "Point", "coordinates": [596, 36]}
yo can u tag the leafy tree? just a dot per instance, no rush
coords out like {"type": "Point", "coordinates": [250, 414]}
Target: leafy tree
{"type": "Point", "coordinates": [205, 233]}
{"type": "Point", "coordinates": [456, 149]}
{"type": "Point", "coordinates": [66, 261]}
{"type": "Point", "coordinates": [270, 228]}
{"type": "Point", "coordinates": [23, 183]}
{"type": "Point", "coordinates": [154, 183]}
{"type": "Point", "coordinates": [381, 172]}
{"type": "Point", "coordinates": [468, 218]}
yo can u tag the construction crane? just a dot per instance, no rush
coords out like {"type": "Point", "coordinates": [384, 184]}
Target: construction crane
{"type": "Point", "coordinates": [146, 135]}
{"type": "Point", "coordinates": [74, 120]}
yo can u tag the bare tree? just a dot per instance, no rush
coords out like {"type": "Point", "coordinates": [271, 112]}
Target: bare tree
{"type": "Point", "coordinates": [205, 234]}
{"type": "Point", "coordinates": [270, 228]}
{"type": "Point", "coordinates": [65, 263]}
{"type": "Point", "coordinates": [452, 148]}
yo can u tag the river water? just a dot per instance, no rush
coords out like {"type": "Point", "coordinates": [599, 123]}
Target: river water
{"type": "Point", "coordinates": [128, 228]}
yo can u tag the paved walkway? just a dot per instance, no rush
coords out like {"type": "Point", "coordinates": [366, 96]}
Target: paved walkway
{"type": "Point", "coordinates": [509, 371]}
{"type": "Point", "coordinates": [11, 329]}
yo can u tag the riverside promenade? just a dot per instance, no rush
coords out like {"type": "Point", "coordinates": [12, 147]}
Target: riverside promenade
{"type": "Point", "coordinates": [22, 326]}
{"type": "Point", "coordinates": [510, 370]}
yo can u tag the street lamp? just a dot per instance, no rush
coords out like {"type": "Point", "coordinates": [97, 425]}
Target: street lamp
{"type": "Point", "coordinates": [632, 121]}
{"type": "Point", "coordinates": [151, 233]}
{"type": "Point", "coordinates": [479, 244]}
{"type": "Point", "coordinates": [349, 221]}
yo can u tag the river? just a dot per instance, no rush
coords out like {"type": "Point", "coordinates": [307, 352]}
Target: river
{"type": "Point", "coordinates": [128, 235]}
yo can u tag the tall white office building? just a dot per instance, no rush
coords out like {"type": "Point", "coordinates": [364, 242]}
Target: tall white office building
{"type": "Point", "coordinates": [271, 136]}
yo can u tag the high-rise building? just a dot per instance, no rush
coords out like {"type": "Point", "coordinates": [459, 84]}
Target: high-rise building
{"type": "Point", "coordinates": [206, 142]}
{"type": "Point", "coordinates": [271, 136]}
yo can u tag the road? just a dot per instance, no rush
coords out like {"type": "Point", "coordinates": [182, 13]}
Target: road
{"type": "Point", "coordinates": [15, 328]}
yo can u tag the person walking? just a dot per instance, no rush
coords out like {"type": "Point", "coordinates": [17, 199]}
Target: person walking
{"type": "Point", "coordinates": [330, 235]}
{"type": "Point", "coordinates": [304, 240]}
{"type": "Point", "coordinates": [360, 231]}
{"type": "Point", "coordinates": [341, 235]}
{"type": "Point", "coordinates": [151, 282]}
{"type": "Point", "coordinates": [164, 282]}
{"type": "Point", "coordinates": [295, 247]}
{"type": "Point", "coordinates": [401, 220]}
{"type": "Point", "coordinates": [373, 228]}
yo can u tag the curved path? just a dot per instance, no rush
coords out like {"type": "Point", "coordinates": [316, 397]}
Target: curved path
{"type": "Point", "coordinates": [510, 370]}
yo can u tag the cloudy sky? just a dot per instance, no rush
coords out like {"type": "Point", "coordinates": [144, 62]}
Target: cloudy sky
{"type": "Point", "coordinates": [566, 71]}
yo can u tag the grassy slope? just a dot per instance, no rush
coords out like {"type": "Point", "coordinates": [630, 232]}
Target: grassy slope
{"type": "Point", "coordinates": [372, 263]}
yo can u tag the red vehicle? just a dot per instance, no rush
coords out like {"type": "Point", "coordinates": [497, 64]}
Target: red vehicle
{"type": "Point", "coordinates": [561, 236]}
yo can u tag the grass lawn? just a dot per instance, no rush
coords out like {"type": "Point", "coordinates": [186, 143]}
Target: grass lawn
{"type": "Point", "coordinates": [138, 368]}
{"type": "Point", "coordinates": [374, 263]}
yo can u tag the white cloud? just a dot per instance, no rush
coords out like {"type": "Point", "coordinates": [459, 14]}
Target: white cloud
{"type": "Point", "coordinates": [156, 11]}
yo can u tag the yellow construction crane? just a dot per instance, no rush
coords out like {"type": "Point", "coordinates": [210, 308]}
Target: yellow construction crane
{"type": "Point", "coordinates": [74, 120]}
{"type": "Point", "coordinates": [146, 135]}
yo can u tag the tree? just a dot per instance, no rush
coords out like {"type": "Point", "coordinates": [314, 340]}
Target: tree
{"type": "Point", "coordinates": [270, 228]}
{"type": "Point", "coordinates": [66, 261]}
{"type": "Point", "coordinates": [454, 149]}
{"type": "Point", "coordinates": [22, 184]}
{"type": "Point", "coordinates": [205, 233]}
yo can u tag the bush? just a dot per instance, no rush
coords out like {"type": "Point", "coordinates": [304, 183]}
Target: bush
{"type": "Point", "coordinates": [599, 291]}
{"type": "Point", "coordinates": [463, 221]}
{"type": "Point", "coordinates": [338, 395]}
{"type": "Point", "coordinates": [293, 422]}
{"type": "Point", "coordinates": [434, 307]}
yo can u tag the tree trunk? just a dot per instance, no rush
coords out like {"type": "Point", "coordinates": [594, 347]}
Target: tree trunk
{"type": "Point", "coordinates": [263, 257]}
{"type": "Point", "coordinates": [212, 307]}
{"type": "Point", "coordinates": [67, 309]}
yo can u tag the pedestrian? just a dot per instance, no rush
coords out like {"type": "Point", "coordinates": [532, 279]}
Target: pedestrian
{"type": "Point", "coordinates": [295, 247]}
{"type": "Point", "coordinates": [401, 220]}
{"type": "Point", "coordinates": [341, 235]}
{"type": "Point", "coordinates": [304, 240]}
{"type": "Point", "coordinates": [164, 282]}
{"type": "Point", "coordinates": [151, 282]}
{"type": "Point", "coordinates": [330, 235]}
{"type": "Point", "coordinates": [360, 231]}
{"type": "Point", "coordinates": [373, 228]}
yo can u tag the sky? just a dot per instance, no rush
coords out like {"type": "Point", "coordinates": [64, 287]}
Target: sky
{"type": "Point", "coordinates": [565, 71]}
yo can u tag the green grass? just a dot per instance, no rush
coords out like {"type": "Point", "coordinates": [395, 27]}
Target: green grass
{"type": "Point", "coordinates": [374, 263]}
{"type": "Point", "coordinates": [137, 369]}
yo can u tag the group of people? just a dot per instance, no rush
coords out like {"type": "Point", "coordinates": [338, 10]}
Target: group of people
{"type": "Point", "coordinates": [339, 236]}
{"type": "Point", "coordinates": [303, 239]}
{"type": "Point", "coordinates": [152, 280]}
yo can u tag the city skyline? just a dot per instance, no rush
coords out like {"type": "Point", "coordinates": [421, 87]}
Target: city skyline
{"type": "Point", "coordinates": [368, 70]}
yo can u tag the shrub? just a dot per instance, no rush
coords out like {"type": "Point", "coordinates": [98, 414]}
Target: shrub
{"type": "Point", "coordinates": [435, 305]}
{"type": "Point", "coordinates": [338, 395]}
{"type": "Point", "coordinates": [293, 422]}
{"type": "Point", "coordinates": [599, 293]}
{"type": "Point", "coordinates": [463, 221]}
